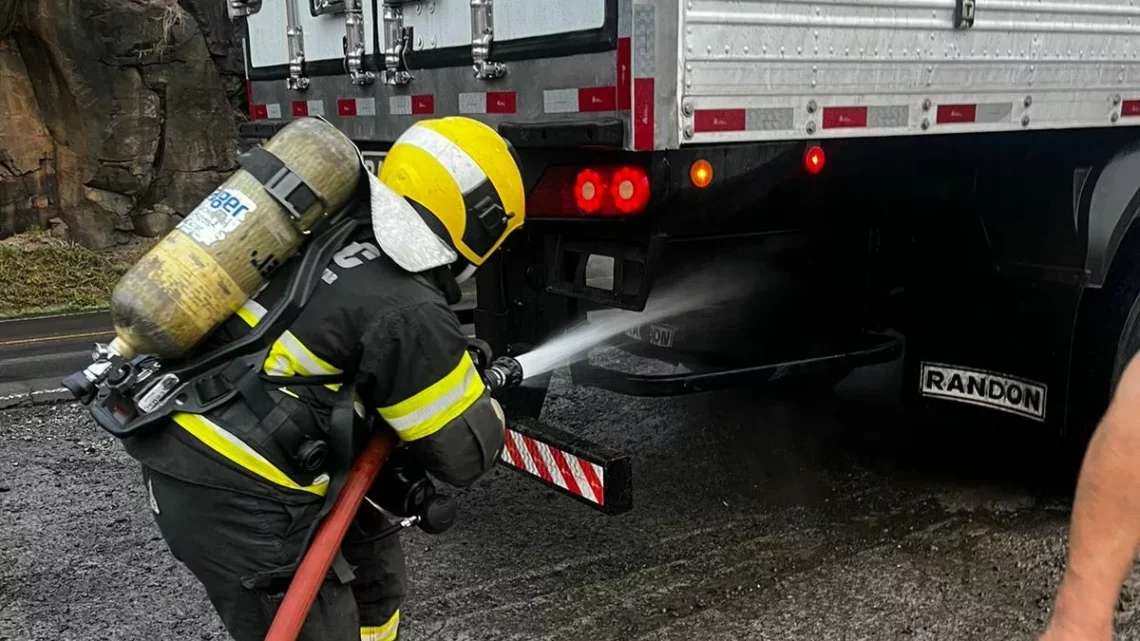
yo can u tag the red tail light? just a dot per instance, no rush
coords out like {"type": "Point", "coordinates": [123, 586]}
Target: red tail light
{"type": "Point", "coordinates": [607, 190]}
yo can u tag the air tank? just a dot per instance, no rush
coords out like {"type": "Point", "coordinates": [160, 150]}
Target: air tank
{"type": "Point", "coordinates": [200, 273]}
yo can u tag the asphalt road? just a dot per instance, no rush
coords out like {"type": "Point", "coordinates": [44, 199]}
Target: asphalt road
{"type": "Point", "coordinates": [840, 519]}
{"type": "Point", "coordinates": [51, 347]}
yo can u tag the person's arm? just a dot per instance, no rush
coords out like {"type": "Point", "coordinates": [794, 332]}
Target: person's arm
{"type": "Point", "coordinates": [1105, 530]}
{"type": "Point", "coordinates": [426, 387]}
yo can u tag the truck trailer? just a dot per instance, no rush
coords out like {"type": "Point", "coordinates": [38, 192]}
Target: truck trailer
{"type": "Point", "coordinates": [959, 178]}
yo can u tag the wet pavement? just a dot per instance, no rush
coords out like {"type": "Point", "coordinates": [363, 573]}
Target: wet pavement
{"type": "Point", "coordinates": [838, 518]}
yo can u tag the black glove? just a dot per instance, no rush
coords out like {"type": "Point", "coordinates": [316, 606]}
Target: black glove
{"type": "Point", "coordinates": [402, 487]}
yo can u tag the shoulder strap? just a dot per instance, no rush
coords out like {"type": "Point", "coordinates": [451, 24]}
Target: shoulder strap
{"type": "Point", "coordinates": [186, 395]}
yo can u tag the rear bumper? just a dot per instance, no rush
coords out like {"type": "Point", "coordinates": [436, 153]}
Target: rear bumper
{"type": "Point", "coordinates": [864, 350]}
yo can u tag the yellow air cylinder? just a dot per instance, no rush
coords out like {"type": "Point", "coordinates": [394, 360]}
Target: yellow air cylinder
{"type": "Point", "coordinates": [200, 273]}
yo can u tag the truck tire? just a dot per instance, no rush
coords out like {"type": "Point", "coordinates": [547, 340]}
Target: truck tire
{"type": "Point", "coordinates": [1107, 337]}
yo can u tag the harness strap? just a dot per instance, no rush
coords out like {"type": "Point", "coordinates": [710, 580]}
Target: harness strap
{"type": "Point", "coordinates": [286, 186]}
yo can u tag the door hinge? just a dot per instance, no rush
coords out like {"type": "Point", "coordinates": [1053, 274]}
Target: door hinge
{"type": "Point", "coordinates": [242, 8]}
{"type": "Point", "coordinates": [397, 43]}
{"type": "Point", "coordinates": [354, 43]}
{"type": "Point", "coordinates": [296, 37]}
{"type": "Point", "coordinates": [482, 34]}
{"type": "Point", "coordinates": [963, 14]}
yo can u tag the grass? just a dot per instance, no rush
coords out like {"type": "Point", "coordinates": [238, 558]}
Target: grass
{"type": "Point", "coordinates": [41, 275]}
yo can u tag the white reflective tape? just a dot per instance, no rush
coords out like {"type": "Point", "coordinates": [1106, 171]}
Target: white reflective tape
{"type": "Point", "coordinates": [366, 106]}
{"type": "Point", "coordinates": [279, 367]}
{"type": "Point", "coordinates": [472, 103]}
{"type": "Point", "coordinates": [273, 110]}
{"type": "Point", "coordinates": [506, 455]}
{"type": "Point", "coordinates": [456, 161]}
{"type": "Point", "coordinates": [560, 101]}
{"type": "Point", "coordinates": [575, 465]}
{"type": "Point", "coordinates": [302, 358]}
{"type": "Point", "coordinates": [255, 309]}
{"type": "Point", "coordinates": [400, 105]}
{"type": "Point", "coordinates": [551, 465]}
{"type": "Point", "coordinates": [315, 107]}
{"type": "Point", "coordinates": [237, 443]}
{"type": "Point", "coordinates": [435, 408]}
{"type": "Point", "coordinates": [520, 447]}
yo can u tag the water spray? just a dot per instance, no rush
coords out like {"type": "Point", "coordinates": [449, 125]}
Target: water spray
{"type": "Point", "coordinates": [704, 288]}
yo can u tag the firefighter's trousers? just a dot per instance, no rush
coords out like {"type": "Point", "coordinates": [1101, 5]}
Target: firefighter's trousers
{"type": "Point", "coordinates": [243, 549]}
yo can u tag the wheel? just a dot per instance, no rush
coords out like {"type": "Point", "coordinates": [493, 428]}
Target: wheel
{"type": "Point", "coordinates": [1107, 337]}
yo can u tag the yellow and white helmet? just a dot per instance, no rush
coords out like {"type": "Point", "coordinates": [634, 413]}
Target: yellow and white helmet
{"type": "Point", "coordinates": [449, 193]}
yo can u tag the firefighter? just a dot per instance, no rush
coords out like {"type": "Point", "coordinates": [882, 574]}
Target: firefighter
{"type": "Point", "coordinates": [236, 492]}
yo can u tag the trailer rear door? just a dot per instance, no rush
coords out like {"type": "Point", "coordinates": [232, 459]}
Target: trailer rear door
{"type": "Point", "coordinates": [547, 60]}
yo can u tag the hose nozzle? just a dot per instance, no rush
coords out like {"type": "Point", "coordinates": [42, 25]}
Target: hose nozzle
{"type": "Point", "coordinates": [504, 372]}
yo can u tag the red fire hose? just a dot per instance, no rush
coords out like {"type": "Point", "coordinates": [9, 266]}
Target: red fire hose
{"type": "Point", "coordinates": [315, 565]}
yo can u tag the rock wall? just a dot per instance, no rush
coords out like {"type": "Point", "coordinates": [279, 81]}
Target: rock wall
{"type": "Point", "coordinates": [116, 116]}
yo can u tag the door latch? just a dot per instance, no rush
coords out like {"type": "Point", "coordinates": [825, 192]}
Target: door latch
{"type": "Point", "coordinates": [963, 14]}
{"type": "Point", "coordinates": [397, 44]}
{"type": "Point", "coordinates": [482, 34]}
{"type": "Point", "coordinates": [296, 38]}
{"type": "Point", "coordinates": [354, 43]}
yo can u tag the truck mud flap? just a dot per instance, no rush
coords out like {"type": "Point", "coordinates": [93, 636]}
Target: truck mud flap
{"type": "Point", "coordinates": [583, 470]}
{"type": "Point", "coordinates": [870, 349]}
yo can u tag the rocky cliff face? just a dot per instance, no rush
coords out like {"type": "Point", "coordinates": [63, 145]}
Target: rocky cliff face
{"type": "Point", "coordinates": [116, 116]}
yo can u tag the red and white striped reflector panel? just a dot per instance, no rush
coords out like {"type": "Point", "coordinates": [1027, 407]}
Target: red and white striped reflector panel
{"type": "Point", "coordinates": [768, 119]}
{"type": "Point", "coordinates": [271, 111]}
{"type": "Point", "coordinates": [585, 471]}
{"type": "Point", "coordinates": [589, 100]}
{"type": "Point", "coordinates": [971, 113]}
{"type": "Point", "coordinates": [303, 108]}
{"type": "Point", "coordinates": [419, 105]}
{"type": "Point", "coordinates": [491, 102]}
{"type": "Point", "coordinates": [353, 107]}
{"type": "Point", "coordinates": [885, 116]}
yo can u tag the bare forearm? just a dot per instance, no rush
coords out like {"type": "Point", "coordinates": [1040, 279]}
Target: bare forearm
{"type": "Point", "coordinates": [1105, 529]}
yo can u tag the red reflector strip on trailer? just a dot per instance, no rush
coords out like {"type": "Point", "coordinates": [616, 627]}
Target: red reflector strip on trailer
{"type": "Point", "coordinates": [418, 105]}
{"type": "Point", "coordinates": [624, 73]}
{"type": "Point", "coordinates": [973, 113]}
{"type": "Point", "coordinates": [303, 108]}
{"type": "Point", "coordinates": [1130, 108]}
{"type": "Point", "coordinates": [563, 461]}
{"type": "Point", "coordinates": [491, 102]}
{"type": "Point", "coordinates": [352, 107]}
{"type": "Point", "coordinates": [844, 117]}
{"type": "Point", "coordinates": [710, 120]}
{"type": "Point", "coordinates": [762, 119]}
{"type": "Point", "coordinates": [271, 111]}
{"type": "Point", "coordinates": [588, 100]}
{"type": "Point", "coordinates": [643, 59]}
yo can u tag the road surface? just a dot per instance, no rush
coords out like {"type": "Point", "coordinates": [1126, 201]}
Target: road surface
{"type": "Point", "coordinates": [46, 349]}
{"type": "Point", "coordinates": [754, 519]}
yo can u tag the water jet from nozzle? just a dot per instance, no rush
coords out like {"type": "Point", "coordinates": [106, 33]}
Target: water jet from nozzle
{"type": "Point", "coordinates": [717, 284]}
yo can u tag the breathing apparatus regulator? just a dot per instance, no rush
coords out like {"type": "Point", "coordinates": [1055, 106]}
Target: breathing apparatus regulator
{"type": "Point", "coordinates": [448, 194]}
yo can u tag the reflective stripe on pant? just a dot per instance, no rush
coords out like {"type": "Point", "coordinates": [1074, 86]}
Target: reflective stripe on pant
{"type": "Point", "coordinates": [386, 632]}
{"type": "Point", "coordinates": [242, 548]}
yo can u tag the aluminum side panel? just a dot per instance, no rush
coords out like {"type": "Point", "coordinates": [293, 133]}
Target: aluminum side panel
{"type": "Point", "coordinates": [516, 19]}
{"type": "Point", "coordinates": [439, 24]}
{"type": "Point", "coordinates": [655, 71]}
{"type": "Point", "coordinates": [323, 34]}
{"type": "Point", "coordinates": [541, 90]}
{"type": "Point", "coordinates": [772, 70]}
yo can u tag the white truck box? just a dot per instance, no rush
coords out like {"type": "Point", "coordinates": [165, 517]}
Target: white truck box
{"type": "Point", "coordinates": [679, 72]}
